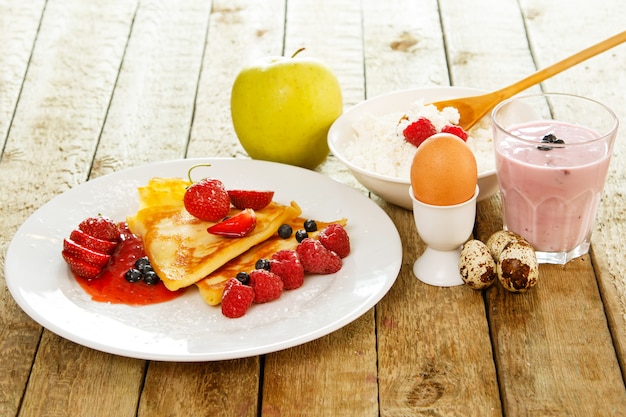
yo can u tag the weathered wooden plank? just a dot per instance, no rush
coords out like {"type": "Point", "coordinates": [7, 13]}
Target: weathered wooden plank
{"type": "Point", "coordinates": [237, 31]}
{"type": "Point", "coordinates": [152, 107]}
{"type": "Point", "coordinates": [334, 375]}
{"type": "Point", "coordinates": [329, 31]}
{"type": "Point", "coordinates": [438, 354]}
{"type": "Point", "coordinates": [19, 21]}
{"type": "Point", "coordinates": [485, 43]}
{"type": "Point", "coordinates": [404, 46]}
{"type": "Point", "coordinates": [71, 380]}
{"type": "Point", "coordinates": [423, 369]}
{"type": "Point", "coordinates": [552, 327]}
{"type": "Point", "coordinates": [553, 348]}
{"type": "Point", "coordinates": [344, 362]}
{"type": "Point", "coordinates": [224, 388]}
{"type": "Point", "coordinates": [49, 148]}
{"type": "Point", "coordinates": [240, 32]}
{"type": "Point", "coordinates": [552, 38]}
{"type": "Point", "coordinates": [150, 119]}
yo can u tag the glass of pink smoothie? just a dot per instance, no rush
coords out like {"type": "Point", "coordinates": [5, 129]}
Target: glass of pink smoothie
{"type": "Point", "coordinates": [552, 156]}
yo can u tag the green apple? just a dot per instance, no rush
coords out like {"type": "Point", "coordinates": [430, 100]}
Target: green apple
{"type": "Point", "coordinates": [282, 108]}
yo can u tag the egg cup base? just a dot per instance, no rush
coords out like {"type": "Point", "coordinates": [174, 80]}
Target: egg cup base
{"type": "Point", "coordinates": [438, 268]}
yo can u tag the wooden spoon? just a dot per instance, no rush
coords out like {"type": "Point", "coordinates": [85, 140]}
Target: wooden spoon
{"type": "Point", "coordinates": [473, 108]}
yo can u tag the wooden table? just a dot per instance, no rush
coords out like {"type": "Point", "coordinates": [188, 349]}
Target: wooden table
{"type": "Point", "coordinates": [88, 88]}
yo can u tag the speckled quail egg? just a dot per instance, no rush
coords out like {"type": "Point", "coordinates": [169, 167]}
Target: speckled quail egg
{"type": "Point", "coordinates": [499, 240]}
{"type": "Point", "coordinates": [517, 266]}
{"type": "Point", "coordinates": [476, 265]}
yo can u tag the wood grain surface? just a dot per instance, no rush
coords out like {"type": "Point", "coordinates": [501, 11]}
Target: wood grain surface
{"type": "Point", "coordinates": [91, 88]}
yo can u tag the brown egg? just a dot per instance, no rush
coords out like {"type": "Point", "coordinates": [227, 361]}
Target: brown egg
{"type": "Point", "coordinates": [443, 171]}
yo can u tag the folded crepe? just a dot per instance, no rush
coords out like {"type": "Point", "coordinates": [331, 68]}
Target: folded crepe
{"type": "Point", "coordinates": [178, 245]}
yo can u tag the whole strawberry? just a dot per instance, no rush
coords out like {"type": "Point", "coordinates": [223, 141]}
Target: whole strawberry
{"type": "Point", "coordinates": [267, 285]}
{"type": "Point", "coordinates": [286, 264]}
{"type": "Point", "coordinates": [207, 200]}
{"type": "Point", "coordinates": [418, 131]}
{"type": "Point", "coordinates": [335, 238]}
{"type": "Point", "coordinates": [316, 259]}
{"type": "Point", "coordinates": [237, 298]}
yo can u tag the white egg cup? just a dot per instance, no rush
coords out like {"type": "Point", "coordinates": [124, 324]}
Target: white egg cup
{"type": "Point", "coordinates": [444, 229]}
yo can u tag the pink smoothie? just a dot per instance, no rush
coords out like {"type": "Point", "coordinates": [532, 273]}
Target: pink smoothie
{"type": "Point", "coordinates": [551, 196]}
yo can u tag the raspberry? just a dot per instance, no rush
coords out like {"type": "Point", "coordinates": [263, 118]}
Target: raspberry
{"type": "Point", "coordinates": [316, 259]}
{"type": "Point", "coordinates": [455, 130]}
{"type": "Point", "coordinates": [267, 285]}
{"type": "Point", "coordinates": [237, 298]}
{"type": "Point", "coordinates": [334, 237]}
{"type": "Point", "coordinates": [418, 131]}
{"type": "Point", "coordinates": [286, 264]}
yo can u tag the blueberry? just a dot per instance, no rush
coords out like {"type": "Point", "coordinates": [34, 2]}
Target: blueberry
{"type": "Point", "coordinates": [301, 235]}
{"type": "Point", "coordinates": [310, 225]}
{"type": "Point", "coordinates": [133, 275]}
{"type": "Point", "coordinates": [262, 264]}
{"type": "Point", "coordinates": [285, 231]}
{"type": "Point", "coordinates": [550, 138]}
{"type": "Point", "coordinates": [142, 263]}
{"type": "Point", "coordinates": [243, 277]}
{"type": "Point", "coordinates": [151, 278]}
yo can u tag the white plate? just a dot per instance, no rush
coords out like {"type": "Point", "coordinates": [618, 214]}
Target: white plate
{"type": "Point", "coordinates": [187, 329]}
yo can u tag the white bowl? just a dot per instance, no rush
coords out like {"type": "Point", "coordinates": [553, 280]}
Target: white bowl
{"type": "Point", "coordinates": [393, 189]}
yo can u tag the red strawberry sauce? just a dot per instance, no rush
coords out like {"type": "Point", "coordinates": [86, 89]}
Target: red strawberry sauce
{"type": "Point", "coordinates": [111, 286]}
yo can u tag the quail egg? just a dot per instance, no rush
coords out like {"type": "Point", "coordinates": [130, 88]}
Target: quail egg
{"type": "Point", "coordinates": [476, 265]}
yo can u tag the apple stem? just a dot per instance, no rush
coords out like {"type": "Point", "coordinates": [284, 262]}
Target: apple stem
{"type": "Point", "coordinates": [298, 51]}
{"type": "Point", "coordinates": [193, 167]}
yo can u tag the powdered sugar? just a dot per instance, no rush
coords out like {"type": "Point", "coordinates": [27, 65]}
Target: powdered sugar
{"type": "Point", "coordinates": [379, 146]}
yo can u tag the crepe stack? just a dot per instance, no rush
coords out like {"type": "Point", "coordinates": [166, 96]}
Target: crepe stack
{"type": "Point", "coordinates": [177, 243]}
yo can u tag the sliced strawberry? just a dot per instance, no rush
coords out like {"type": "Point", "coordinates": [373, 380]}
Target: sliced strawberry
{"type": "Point", "coordinates": [100, 227]}
{"type": "Point", "coordinates": [252, 199]}
{"type": "Point", "coordinates": [97, 259]}
{"type": "Point", "coordinates": [98, 245]}
{"type": "Point", "coordinates": [239, 225]}
{"type": "Point", "coordinates": [80, 267]}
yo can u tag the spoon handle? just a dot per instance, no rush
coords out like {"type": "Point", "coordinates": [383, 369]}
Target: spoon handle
{"type": "Point", "coordinates": [562, 65]}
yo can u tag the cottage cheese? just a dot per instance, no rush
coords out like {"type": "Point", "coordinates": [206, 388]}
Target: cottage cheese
{"type": "Point", "coordinates": [378, 144]}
